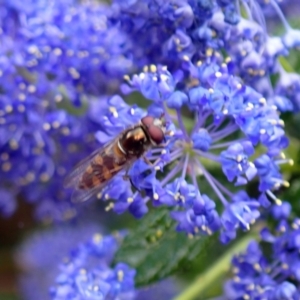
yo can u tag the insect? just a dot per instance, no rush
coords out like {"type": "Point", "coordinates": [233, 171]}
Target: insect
{"type": "Point", "coordinates": [95, 171]}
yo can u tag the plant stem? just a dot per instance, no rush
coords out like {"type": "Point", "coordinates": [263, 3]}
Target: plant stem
{"type": "Point", "coordinates": [220, 267]}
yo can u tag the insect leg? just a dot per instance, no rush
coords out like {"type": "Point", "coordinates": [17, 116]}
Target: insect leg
{"type": "Point", "coordinates": [127, 177]}
{"type": "Point", "coordinates": [147, 161]}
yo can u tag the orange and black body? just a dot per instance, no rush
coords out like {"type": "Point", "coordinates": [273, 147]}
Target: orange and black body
{"type": "Point", "coordinates": [95, 171]}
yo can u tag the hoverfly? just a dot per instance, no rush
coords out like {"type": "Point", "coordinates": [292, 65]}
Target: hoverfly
{"type": "Point", "coordinates": [95, 171]}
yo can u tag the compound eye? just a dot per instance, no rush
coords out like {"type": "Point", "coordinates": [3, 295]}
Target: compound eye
{"type": "Point", "coordinates": [156, 134]}
{"type": "Point", "coordinates": [147, 121]}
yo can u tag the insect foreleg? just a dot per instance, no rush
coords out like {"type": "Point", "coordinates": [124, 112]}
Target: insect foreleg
{"type": "Point", "coordinates": [127, 177]}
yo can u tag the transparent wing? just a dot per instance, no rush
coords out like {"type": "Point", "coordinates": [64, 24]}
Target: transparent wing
{"type": "Point", "coordinates": [74, 176]}
{"type": "Point", "coordinates": [103, 165]}
{"type": "Point", "coordinates": [82, 195]}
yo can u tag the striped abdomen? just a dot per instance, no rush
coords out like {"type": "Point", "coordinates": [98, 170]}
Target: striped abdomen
{"type": "Point", "coordinates": [103, 167]}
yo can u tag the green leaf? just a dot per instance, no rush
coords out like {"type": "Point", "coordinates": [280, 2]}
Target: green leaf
{"type": "Point", "coordinates": [156, 250]}
{"type": "Point", "coordinates": [209, 278]}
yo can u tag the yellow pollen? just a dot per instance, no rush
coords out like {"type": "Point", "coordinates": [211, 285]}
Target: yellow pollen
{"type": "Point", "coordinates": [46, 126]}
{"type": "Point", "coordinates": [31, 88]}
{"type": "Point", "coordinates": [57, 51]}
{"type": "Point", "coordinates": [278, 202]}
{"type": "Point", "coordinates": [282, 229]}
{"type": "Point", "coordinates": [120, 275]}
{"type": "Point", "coordinates": [74, 73]}
{"type": "Point", "coordinates": [96, 288]}
{"type": "Point", "coordinates": [218, 74]}
{"type": "Point", "coordinates": [55, 124]}
{"type": "Point", "coordinates": [6, 166]}
{"type": "Point", "coordinates": [262, 100]}
{"type": "Point", "coordinates": [262, 131]}
{"type": "Point", "coordinates": [113, 111]}
{"type": "Point", "coordinates": [286, 184]}
{"type": "Point", "coordinates": [13, 144]}
{"type": "Point", "coordinates": [209, 52]}
{"type": "Point", "coordinates": [126, 77]}
{"type": "Point", "coordinates": [129, 199]}
{"type": "Point", "coordinates": [211, 91]}
{"type": "Point", "coordinates": [58, 98]}
{"type": "Point", "coordinates": [186, 58]}
{"type": "Point", "coordinates": [257, 267]}
{"type": "Point", "coordinates": [65, 131]}
{"type": "Point", "coordinates": [97, 238]}
{"type": "Point", "coordinates": [109, 206]}
{"type": "Point", "coordinates": [155, 196]}
{"type": "Point", "coordinates": [145, 69]}
{"type": "Point", "coordinates": [163, 77]}
{"type": "Point", "coordinates": [153, 68]}
{"type": "Point", "coordinates": [21, 97]}
{"type": "Point", "coordinates": [44, 177]}
{"type": "Point", "coordinates": [239, 158]}
{"type": "Point", "coordinates": [8, 108]}
{"type": "Point", "coordinates": [251, 164]}
{"type": "Point", "coordinates": [225, 111]}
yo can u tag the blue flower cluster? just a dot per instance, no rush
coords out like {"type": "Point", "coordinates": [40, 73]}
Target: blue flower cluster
{"type": "Point", "coordinates": [231, 120]}
{"type": "Point", "coordinates": [86, 273]}
{"type": "Point", "coordinates": [175, 31]}
{"type": "Point", "coordinates": [274, 275]}
{"type": "Point", "coordinates": [60, 56]}
{"type": "Point", "coordinates": [77, 247]}
{"type": "Point", "coordinates": [54, 56]}
{"type": "Point", "coordinates": [38, 256]}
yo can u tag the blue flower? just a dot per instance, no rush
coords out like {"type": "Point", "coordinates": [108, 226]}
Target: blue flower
{"type": "Point", "coordinates": [274, 275]}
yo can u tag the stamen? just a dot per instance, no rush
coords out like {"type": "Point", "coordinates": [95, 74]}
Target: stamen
{"type": "Point", "coordinates": [183, 174]}
{"type": "Point", "coordinates": [273, 197]}
{"type": "Point", "coordinates": [228, 130]}
{"type": "Point", "coordinates": [208, 155]}
{"type": "Point", "coordinates": [211, 182]}
{"type": "Point", "coordinates": [182, 126]}
{"type": "Point", "coordinates": [226, 144]}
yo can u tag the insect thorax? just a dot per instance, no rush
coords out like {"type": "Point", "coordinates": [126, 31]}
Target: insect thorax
{"type": "Point", "coordinates": [134, 142]}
